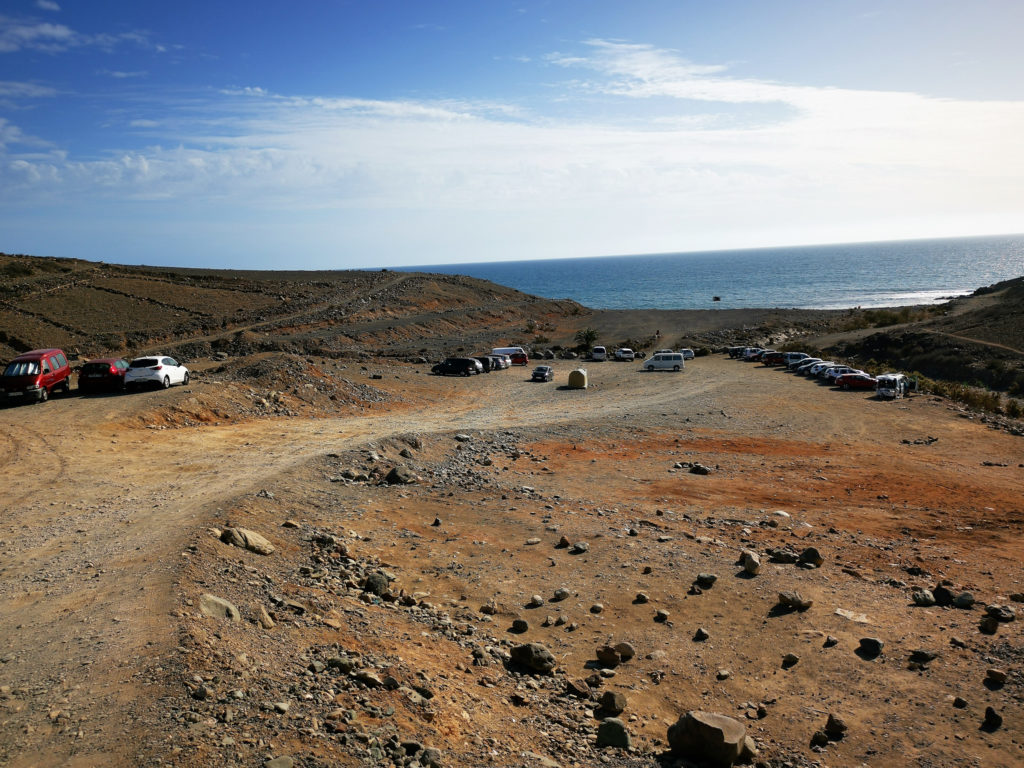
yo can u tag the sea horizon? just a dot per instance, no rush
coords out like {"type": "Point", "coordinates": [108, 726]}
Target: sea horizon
{"type": "Point", "coordinates": [838, 276]}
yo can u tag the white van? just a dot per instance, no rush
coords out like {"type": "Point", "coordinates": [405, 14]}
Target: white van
{"type": "Point", "coordinates": [892, 386]}
{"type": "Point", "coordinates": [665, 361]}
{"type": "Point", "coordinates": [599, 353]}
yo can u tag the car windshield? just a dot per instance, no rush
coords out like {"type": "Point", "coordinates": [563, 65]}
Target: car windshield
{"type": "Point", "coordinates": [22, 368]}
{"type": "Point", "coordinates": [144, 362]}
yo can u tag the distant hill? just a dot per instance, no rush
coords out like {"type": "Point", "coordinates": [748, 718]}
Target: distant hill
{"type": "Point", "coordinates": [94, 308]}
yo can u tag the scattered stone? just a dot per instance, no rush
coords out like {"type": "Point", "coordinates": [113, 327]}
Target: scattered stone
{"type": "Point", "coordinates": [612, 732]}
{"type": "Point", "coordinates": [943, 594]}
{"type": "Point", "coordinates": [700, 635]}
{"type": "Point", "coordinates": [831, 642]}
{"type": "Point", "coordinates": [723, 674]}
{"type": "Point", "coordinates": [922, 657]}
{"type": "Point", "coordinates": [626, 651]}
{"type": "Point", "coordinates": [489, 608]}
{"type": "Point", "coordinates": [871, 647]}
{"type": "Point", "coordinates": [561, 594]}
{"type": "Point", "coordinates": [790, 660]}
{"type": "Point", "coordinates": [376, 584]}
{"type": "Point", "coordinates": [995, 677]}
{"type": "Point", "coordinates": [923, 598]}
{"type": "Point", "coordinates": [835, 727]}
{"type": "Point", "coordinates": [641, 597]}
{"type": "Point", "coordinates": [612, 702]}
{"type": "Point", "coordinates": [1001, 612]}
{"type": "Point", "coordinates": [819, 739]}
{"type": "Point", "coordinates": [578, 688]}
{"type": "Point", "coordinates": [536, 601]}
{"type": "Point", "coordinates": [960, 702]}
{"type": "Point", "coordinates": [783, 555]}
{"type": "Point", "coordinates": [705, 580]}
{"type": "Point", "coordinates": [400, 475]}
{"type": "Point", "coordinates": [534, 656]}
{"type": "Point", "coordinates": [263, 618]}
{"type": "Point", "coordinates": [563, 543]}
{"type": "Point", "coordinates": [519, 626]}
{"type": "Point", "coordinates": [811, 556]}
{"type": "Point", "coordinates": [246, 539]}
{"type": "Point", "coordinates": [793, 601]}
{"type": "Point", "coordinates": [218, 608]}
{"type": "Point", "coordinates": [699, 469]}
{"type": "Point", "coordinates": [661, 615]}
{"type": "Point", "coordinates": [751, 562]}
{"type": "Point", "coordinates": [988, 625]}
{"type": "Point", "coordinates": [965, 601]}
{"type": "Point", "coordinates": [279, 762]}
{"type": "Point", "coordinates": [596, 608]}
{"type": "Point", "coordinates": [579, 548]}
{"type": "Point", "coordinates": [706, 736]}
{"type": "Point", "coordinates": [993, 720]}
{"type": "Point", "coordinates": [1017, 597]}
{"type": "Point", "coordinates": [437, 522]}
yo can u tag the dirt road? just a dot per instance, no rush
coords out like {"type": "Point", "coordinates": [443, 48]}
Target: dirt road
{"type": "Point", "coordinates": [96, 514]}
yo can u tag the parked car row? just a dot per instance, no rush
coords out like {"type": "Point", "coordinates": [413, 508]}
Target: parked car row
{"type": "Point", "coordinates": [35, 375]}
{"type": "Point", "coordinates": [886, 386]}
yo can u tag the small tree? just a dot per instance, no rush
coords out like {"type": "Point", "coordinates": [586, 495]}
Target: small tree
{"type": "Point", "coordinates": [586, 337]}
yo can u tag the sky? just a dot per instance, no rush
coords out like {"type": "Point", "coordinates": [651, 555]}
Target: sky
{"type": "Point", "coordinates": [331, 134]}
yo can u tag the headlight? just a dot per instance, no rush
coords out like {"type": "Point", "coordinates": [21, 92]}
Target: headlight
{"type": "Point", "coordinates": [33, 386]}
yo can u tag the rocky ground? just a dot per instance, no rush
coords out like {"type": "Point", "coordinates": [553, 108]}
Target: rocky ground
{"type": "Point", "coordinates": [315, 561]}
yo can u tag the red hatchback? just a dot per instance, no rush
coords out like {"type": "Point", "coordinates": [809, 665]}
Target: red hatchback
{"type": "Point", "coordinates": [104, 374]}
{"type": "Point", "coordinates": [855, 381]}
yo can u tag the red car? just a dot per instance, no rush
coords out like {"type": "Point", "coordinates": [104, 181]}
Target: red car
{"type": "Point", "coordinates": [104, 374]}
{"type": "Point", "coordinates": [856, 381]}
{"type": "Point", "coordinates": [772, 358]}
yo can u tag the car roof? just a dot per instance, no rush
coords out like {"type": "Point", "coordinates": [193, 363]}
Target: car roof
{"type": "Point", "coordinates": [33, 353]}
{"type": "Point", "coordinates": [103, 360]}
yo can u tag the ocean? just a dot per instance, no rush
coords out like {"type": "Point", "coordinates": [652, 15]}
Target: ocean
{"type": "Point", "coordinates": [807, 277]}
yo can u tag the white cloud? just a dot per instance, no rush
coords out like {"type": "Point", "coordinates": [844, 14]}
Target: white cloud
{"type": "Point", "coordinates": [47, 5]}
{"type": "Point", "coordinates": [495, 180]}
{"type": "Point", "coordinates": [17, 35]}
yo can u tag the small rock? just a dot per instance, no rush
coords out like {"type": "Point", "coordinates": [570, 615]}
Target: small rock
{"type": "Point", "coordinates": [751, 563]}
{"type": "Point", "coordinates": [641, 597]}
{"type": "Point", "coordinates": [612, 732]}
{"type": "Point", "coordinates": [811, 556]}
{"type": "Point", "coordinates": [960, 702]}
{"type": "Point", "coordinates": [923, 657]}
{"type": "Point", "coordinates": [580, 547]}
{"type": "Point", "coordinates": [995, 677]}
{"type": "Point", "coordinates": [790, 660]}
{"type": "Point", "coordinates": [279, 762]}
{"type": "Point", "coordinates": [835, 727]}
{"type": "Point", "coordinates": [596, 608]}
{"type": "Point", "coordinates": [993, 720]}
{"type": "Point", "coordinates": [612, 702]}
{"type": "Point", "coordinates": [534, 656]}
{"type": "Point", "coordinates": [988, 625]}
{"type": "Point", "coordinates": [965, 601]}
{"type": "Point", "coordinates": [705, 580]}
{"type": "Point", "coordinates": [700, 635]}
{"type": "Point", "coordinates": [246, 539]}
{"type": "Point", "coordinates": [436, 523]}
{"type": "Point", "coordinates": [710, 737]}
{"type": "Point", "coordinates": [536, 601]}
{"type": "Point", "coordinates": [831, 642]}
{"type": "Point", "coordinates": [923, 598]}
{"type": "Point", "coordinates": [871, 647]}
{"type": "Point", "coordinates": [723, 674]}
{"type": "Point", "coordinates": [819, 739]}
{"type": "Point", "coordinates": [520, 625]}
{"type": "Point", "coordinates": [1001, 612]}
{"type": "Point", "coordinates": [218, 608]}
{"type": "Point", "coordinates": [376, 584]}
{"type": "Point", "coordinates": [661, 615]}
{"type": "Point", "coordinates": [793, 601]}
{"type": "Point", "coordinates": [561, 594]}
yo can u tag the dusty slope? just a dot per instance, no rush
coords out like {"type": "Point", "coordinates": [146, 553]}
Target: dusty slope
{"type": "Point", "coordinates": [107, 549]}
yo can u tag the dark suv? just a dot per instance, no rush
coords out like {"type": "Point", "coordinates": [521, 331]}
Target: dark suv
{"type": "Point", "coordinates": [458, 366]}
{"type": "Point", "coordinates": [33, 376]}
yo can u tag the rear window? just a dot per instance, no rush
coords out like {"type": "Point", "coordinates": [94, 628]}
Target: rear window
{"type": "Point", "coordinates": [95, 368]}
{"type": "Point", "coordinates": [22, 368]}
{"type": "Point", "coordinates": [144, 362]}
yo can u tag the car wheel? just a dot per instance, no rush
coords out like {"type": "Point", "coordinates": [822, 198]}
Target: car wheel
{"type": "Point", "coordinates": [166, 383]}
{"type": "Point", "coordinates": [44, 395]}
{"type": "Point", "coordinates": [185, 379]}
{"type": "Point", "coordinates": [845, 385]}
{"type": "Point", "coordinates": [66, 387]}
{"type": "Point", "coordinates": [675, 368]}
{"type": "Point", "coordinates": [650, 367]}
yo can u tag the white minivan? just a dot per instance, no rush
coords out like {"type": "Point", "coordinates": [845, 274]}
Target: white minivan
{"type": "Point", "coordinates": [599, 353]}
{"type": "Point", "coordinates": [665, 361]}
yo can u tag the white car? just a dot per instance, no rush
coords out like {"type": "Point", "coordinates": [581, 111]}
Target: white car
{"type": "Point", "coordinates": [156, 370]}
{"type": "Point", "coordinates": [687, 353]}
{"type": "Point", "coordinates": [624, 353]}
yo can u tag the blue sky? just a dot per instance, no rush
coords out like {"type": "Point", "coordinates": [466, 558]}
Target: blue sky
{"type": "Point", "coordinates": [333, 134]}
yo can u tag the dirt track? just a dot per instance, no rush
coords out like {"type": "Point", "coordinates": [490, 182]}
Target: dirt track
{"type": "Point", "coordinates": [97, 514]}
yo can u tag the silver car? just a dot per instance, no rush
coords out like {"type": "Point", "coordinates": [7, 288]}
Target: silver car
{"type": "Point", "coordinates": [155, 370]}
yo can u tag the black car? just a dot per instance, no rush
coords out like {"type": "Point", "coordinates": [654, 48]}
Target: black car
{"type": "Point", "coordinates": [105, 374]}
{"type": "Point", "coordinates": [487, 363]}
{"type": "Point", "coordinates": [458, 366]}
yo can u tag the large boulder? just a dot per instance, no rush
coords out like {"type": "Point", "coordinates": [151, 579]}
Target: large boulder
{"type": "Point", "coordinates": [246, 539]}
{"type": "Point", "coordinates": [534, 657]}
{"type": "Point", "coordinates": [708, 737]}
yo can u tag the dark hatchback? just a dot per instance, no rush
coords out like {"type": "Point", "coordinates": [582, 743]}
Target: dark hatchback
{"type": "Point", "coordinates": [104, 374]}
{"type": "Point", "coordinates": [458, 366]}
